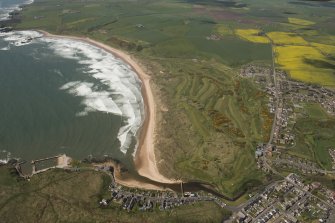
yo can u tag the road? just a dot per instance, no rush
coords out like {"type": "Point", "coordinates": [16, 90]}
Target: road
{"type": "Point", "coordinates": [310, 194]}
{"type": "Point", "coordinates": [276, 91]}
{"type": "Point", "coordinates": [271, 206]}
{"type": "Point", "coordinates": [299, 165]}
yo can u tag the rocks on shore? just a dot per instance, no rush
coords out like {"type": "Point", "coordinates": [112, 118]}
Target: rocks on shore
{"type": "Point", "coordinates": [6, 29]}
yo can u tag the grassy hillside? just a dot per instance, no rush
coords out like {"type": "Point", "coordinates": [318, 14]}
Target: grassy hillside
{"type": "Point", "coordinates": [59, 196]}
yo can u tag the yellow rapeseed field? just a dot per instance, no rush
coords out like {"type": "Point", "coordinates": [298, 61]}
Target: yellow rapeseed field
{"type": "Point", "coordinates": [324, 48]}
{"type": "Point", "coordinates": [252, 35]}
{"type": "Point", "coordinates": [285, 38]}
{"type": "Point", "coordinates": [304, 61]}
{"type": "Point", "coordinates": [293, 59]}
{"type": "Point", "coordinates": [301, 22]}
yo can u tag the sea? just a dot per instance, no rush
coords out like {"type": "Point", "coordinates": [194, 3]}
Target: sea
{"type": "Point", "coordinates": [61, 95]}
{"type": "Point", "coordinates": [7, 6]}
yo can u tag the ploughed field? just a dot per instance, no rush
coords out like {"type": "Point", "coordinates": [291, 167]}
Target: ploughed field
{"type": "Point", "coordinates": [209, 119]}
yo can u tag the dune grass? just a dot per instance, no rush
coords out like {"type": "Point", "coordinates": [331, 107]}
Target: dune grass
{"type": "Point", "coordinates": [218, 132]}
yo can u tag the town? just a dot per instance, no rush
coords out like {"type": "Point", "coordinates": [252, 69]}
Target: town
{"type": "Point", "coordinates": [131, 199]}
{"type": "Point", "coordinates": [286, 100]}
{"type": "Point", "coordinates": [289, 201]}
{"type": "Point", "coordinates": [288, 95]}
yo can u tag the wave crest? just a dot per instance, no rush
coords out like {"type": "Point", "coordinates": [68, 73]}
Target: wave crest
{"type": "Point", "coordinates": [123, 95]}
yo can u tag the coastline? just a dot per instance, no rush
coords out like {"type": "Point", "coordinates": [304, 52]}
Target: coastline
{"type": "Point", "coordinates": [13, 8]}
{"type": "Point", "coordinates": [145, 159]}
{"type": "Point", "coordinates": [126, 180]}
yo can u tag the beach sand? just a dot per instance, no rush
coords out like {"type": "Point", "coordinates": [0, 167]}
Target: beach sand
{"type": "Point", "coordinates": [145, 160]}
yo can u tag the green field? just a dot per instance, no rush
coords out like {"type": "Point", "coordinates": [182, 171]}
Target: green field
{"type": "Point", "coordinates": [60, 196]}
{"type": "Point", "coordinates": [316, 135]}
{"type": "Point", "coordinates": [212, 119]}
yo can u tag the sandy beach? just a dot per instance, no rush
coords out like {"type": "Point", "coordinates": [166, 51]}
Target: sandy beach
{"type": "Point", "coordinates": [145, 160]}
{"type": "Point", "coordinates": [124, 180]}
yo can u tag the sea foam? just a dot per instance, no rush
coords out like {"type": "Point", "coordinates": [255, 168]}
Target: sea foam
{"type": "Point", "coordinates": [5, 10]}
{"type": "Point", "coordinates": [123, 95]}
{"type": "Point", "coordinates": [5, 48]}
{"type": "Point", "coordinates": [20, 38]}
{"type": "Point", "coordinates": [115, 88]}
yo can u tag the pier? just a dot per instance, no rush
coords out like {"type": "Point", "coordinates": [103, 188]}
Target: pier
{"type": "Point", "coordinates": [62, 162]}
{"type": "Point", "coordinates": [19, 169]}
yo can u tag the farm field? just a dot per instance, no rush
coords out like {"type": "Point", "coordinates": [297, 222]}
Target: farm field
{"type": "Point", "coordinates": [209, 118]}
{"type": "Point", "coordinates": [301, 22]}
{"type": "Point", "coordinates": [306, 64]}
{"type": "Point", "coordinates": [252, 35]}
{"type": "Point", "coordinates": [309, 62]}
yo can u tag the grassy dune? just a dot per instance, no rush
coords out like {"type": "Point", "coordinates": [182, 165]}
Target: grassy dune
{"type": "Point", "coordinates": [219, 126]}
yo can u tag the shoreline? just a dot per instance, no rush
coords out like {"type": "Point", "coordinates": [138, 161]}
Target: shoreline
{"type": "Point", "coordinates": [145, 159]}
{"type": "Point", "coordinates": [127, 181]}
{"type": "Point", "coordinates": [14, 8]}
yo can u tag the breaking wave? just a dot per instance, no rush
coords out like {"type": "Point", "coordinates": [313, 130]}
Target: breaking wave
{"type": "Point", "coordinates": [20, 38]}
{"type": "Point", "coordinates": [113, 87]}
{"type": "Point", "coordinates": [123, 95]}
{"type": "Point", "coordinates": [6, 9]}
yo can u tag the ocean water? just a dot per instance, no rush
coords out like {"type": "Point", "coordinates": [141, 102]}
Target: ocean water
{"type": "Point", "coordinates": [65, 96]}
{"type": "Point", "coordinates": [7, 6]}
